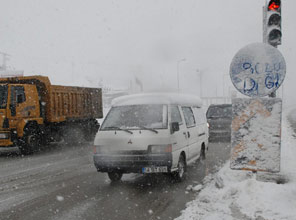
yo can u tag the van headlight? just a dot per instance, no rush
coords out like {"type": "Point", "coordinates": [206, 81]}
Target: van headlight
{"type": "Point", "coordinates": [97, 149]}
{"type": "Point", "coordinates": [103, 149]}
{"type": "Point", "coordinates": [159, 149]}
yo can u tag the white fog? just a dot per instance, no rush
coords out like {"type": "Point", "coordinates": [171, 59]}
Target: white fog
{"type": "Point", "coordinates": [83, 43]}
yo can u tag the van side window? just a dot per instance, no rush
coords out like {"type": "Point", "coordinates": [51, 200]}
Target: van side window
{"type": "Point", "coordinates": [189, 117]}
{"type": "Point", "coordinates": [200, 116]}
{"type": "Point", "coordinates": [175, 115]}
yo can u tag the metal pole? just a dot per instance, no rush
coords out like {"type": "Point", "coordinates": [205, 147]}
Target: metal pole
{"type": "Point", "coordinates": [273, 94]}
{"type": "Point", "coordinates": [178, 76]}
{"type": "Point", "coordinates": [200, 75]}
{"type": "Point", "coordinates": [178, 63]}
{"type": "Point", "coordinates": [223, 85]}
{"type": "Point", "coordinates": [200, 82]}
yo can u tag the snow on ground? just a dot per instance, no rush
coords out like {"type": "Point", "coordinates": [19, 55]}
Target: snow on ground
{"type": "Point", "coordinates": [232, 194]}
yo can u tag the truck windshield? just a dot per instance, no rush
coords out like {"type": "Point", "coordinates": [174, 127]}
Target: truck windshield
{"type": "Point", "coordinates": [134, 117]}
{"type": "Point", "coordinates": [3, 96]}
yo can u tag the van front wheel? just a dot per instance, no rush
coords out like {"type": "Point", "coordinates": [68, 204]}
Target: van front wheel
{"type": "Point", "coordinates": [115, 176]}
{"type": "Point", "coordinates": [180, 174]}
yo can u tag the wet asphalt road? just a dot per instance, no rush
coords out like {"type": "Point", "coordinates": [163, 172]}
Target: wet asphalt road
{"type": "Point", "coordinates": [61, 183]}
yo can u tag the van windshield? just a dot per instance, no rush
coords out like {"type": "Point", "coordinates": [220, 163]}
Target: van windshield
{"type": "Point", "coordinates": [136, 117]}
{"type": "Point", "coordinates": [3, 96]}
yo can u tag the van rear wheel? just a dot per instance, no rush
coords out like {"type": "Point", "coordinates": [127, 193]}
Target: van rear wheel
{"type": "Point", "coordinates": [115, 176]}
{"type": "Point", "coordinates": [203, 153]}
{"type": "Point", "coordinates": [180, 174]}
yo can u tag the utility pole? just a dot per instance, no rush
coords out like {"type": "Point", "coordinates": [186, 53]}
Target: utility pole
{"type": "Point", "coordinates": [178, 63]}
{"type": "Point", "coordinates": [200, 82]}
{"type": "Point", "coordinates": [5, 59]}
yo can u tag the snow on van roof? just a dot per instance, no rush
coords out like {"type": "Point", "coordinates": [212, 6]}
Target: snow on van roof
{"type": "Point", "coordinates": [158, 98]}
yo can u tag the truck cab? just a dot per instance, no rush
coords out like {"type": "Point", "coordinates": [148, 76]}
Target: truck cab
{"type": "Point", "coordinates": [18, 103]}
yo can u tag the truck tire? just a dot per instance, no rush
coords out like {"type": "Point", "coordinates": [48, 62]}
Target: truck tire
{"type": "Point", "coordinates": [89, 136]}
{"type": "Point", "coordinates": [31, 141]}
{"type": "Point", "coordinates": [73, 135]}
{"type": "Point", "coordinates": [91, 131]}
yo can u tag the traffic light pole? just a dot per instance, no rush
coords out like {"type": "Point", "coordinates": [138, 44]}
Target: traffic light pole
{"type": "Point", "coordinates": [264, 26]}
{"type": "Point", "coordinates": [272, 25]}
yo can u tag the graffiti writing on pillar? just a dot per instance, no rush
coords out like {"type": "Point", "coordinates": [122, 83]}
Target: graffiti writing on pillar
{"type": "Point", "coordinates": [261, 74]}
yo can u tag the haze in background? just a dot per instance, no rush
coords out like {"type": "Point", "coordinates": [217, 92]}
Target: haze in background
{"type": "Point", "coordinates": [88, 43]}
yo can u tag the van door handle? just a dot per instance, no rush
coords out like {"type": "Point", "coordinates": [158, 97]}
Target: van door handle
{"type": "Point", "coordinates": [188, 134]}
{"type": "Point", "coordinates": [185, 134]}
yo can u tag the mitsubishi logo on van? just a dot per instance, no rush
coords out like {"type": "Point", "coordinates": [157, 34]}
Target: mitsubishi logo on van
{"type": "Point", "coordinates": [130, 141]}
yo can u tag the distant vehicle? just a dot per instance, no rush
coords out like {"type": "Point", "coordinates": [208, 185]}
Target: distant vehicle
{"type": "Point", "coordinates": [33, 112]}
{"type": "Point", "coordinates": [219, 119]}
{"type": "Point", "coordinates": [151, 133]}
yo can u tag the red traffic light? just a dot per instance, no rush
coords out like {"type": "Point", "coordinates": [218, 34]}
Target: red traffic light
{"type": "Point", "coordinates": [274, 5]}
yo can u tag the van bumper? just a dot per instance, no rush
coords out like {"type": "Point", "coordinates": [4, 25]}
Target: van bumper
{"type": "Point", "coordinates": [131, 163]}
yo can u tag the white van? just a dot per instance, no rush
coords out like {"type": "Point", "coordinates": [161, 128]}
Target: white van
{"type": "Point", "coordinates": [151, 133]}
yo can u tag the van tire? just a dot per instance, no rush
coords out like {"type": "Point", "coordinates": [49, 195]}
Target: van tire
{"type": "Point", "coordinates": [203, 152]}
{"type": "Point", "coordinates": [115, 176]}
{"type": "Point", "coordinates": [180, 174]}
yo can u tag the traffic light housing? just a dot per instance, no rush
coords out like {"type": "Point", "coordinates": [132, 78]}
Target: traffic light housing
{"type": "Point", "coordinates": [273, 22]}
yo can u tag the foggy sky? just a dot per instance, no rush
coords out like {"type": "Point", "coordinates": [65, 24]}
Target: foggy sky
{"type": "Point", "coordinates": [84, 42]}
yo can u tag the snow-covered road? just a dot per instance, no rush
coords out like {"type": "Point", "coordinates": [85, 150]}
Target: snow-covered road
{"type": "Point", "coordinates": [62, 183]}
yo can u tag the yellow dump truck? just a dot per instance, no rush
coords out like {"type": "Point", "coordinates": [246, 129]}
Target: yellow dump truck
{"type": "Point", "coordinates": [34, 112]}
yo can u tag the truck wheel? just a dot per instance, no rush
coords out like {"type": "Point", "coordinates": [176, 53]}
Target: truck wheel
{"type": "Point", "coordinates": [32, 141]}
{"type": "Point", "coordinates": [91, 131]}
{"type": "Point", "coordinates": [115, 176]}
{"type": "Point", "coordinates": [73, 136]}
{"type": "Point", "coordinates": [89, 135]}
{"type": "Point", "coordinates": [180, 174]}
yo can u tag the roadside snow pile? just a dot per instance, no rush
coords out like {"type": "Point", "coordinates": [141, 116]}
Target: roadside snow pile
{"type": "Point", "coordinates": [233, 194]}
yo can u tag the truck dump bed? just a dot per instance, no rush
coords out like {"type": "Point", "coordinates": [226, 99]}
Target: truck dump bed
{"type": "Point", "coordinates": [72, 103]}
{"type": "Point", "coordinates": [63, 103]}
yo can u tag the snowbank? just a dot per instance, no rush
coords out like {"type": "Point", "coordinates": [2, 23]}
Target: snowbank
{"type": "Point", "coordinates": [232, 194]}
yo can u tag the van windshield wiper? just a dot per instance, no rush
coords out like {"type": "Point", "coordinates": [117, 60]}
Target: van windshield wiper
{"type": "Point", "coordinates": [118, 128]}
{"type": "Point", "coordinates": [150, 129]}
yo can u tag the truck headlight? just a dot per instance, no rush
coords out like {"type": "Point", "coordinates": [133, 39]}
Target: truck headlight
{"type": "Point", "coordinates": [4, 135]}
{"type": "Point", "coordinates": [159, 149]}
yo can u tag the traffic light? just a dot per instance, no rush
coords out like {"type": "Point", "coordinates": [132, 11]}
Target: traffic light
{"type": "Point", "coordinates": [273, 22]}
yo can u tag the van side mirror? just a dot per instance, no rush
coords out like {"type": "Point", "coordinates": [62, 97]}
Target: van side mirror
{"type": "Point", "coordinates": [175, 127]}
